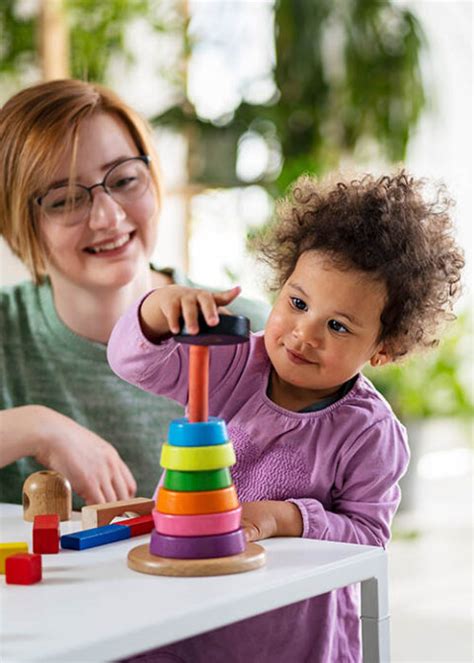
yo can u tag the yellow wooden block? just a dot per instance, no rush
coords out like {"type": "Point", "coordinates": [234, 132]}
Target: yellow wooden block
{"type": "Point", "coordinates": [7, 549]}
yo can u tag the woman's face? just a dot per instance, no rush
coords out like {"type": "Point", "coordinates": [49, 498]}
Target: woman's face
{"type": "Point", "coordinates": [113, 244]}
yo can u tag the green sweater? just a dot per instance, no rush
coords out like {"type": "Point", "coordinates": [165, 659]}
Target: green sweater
{"type": "Point", "coordinates": [43, 362]}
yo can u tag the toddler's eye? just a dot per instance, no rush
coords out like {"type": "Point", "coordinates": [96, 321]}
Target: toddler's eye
{"type": "Point", "coordinates": [298, 303]}
{"type": "Point", "coordinates": [338, 327]}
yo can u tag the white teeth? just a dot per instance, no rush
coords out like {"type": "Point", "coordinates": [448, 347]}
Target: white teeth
{"type": "Point", "coordinates": [110, 245]}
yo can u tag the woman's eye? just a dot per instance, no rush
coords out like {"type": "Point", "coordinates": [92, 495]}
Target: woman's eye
{"type": "Point", "coordinates": [124, 182]}
{"type": "Point", "coordinates": [58, 204]}
{"type": "Point", "coordinates": [338, 327]}
{"type": "Point", "coordinates": [298, 303]}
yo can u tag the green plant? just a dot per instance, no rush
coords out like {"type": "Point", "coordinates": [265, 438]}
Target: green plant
{"type": "Point", "coordinates": [97, 34]}
{"type": "Point", "coordinates": [348, 79]}
{"type": "Point", "coordinates": [435, 384]}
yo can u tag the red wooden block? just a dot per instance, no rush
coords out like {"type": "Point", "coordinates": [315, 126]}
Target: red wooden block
{"type": "Point", "coordinates": [46, 534]}
{"type": "Point", "coordinates": [138, 526]}
{"type": "Point", "coordinates": [23, 569]}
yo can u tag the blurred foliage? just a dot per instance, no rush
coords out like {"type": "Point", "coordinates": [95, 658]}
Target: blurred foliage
{"type": "Point", "coordinates": [347, 74]}
{"type": "Point", "coordinates": [17, 38]}
{"type": "Point", "coordinates": [97, 34]}
{"type": "Point", "coordinates": [436, 384]}
{"type": "Point", "coordinates": [98, 31]}
{"type": "Point", "coordinates": [373, 95]}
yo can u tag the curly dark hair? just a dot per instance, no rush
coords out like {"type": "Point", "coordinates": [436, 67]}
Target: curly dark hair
{"type": "Point", "coordinates": [390, 228]}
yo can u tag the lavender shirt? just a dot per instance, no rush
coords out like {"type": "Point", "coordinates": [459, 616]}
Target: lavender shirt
{"type": "Point", "coordinates": [339, 465]}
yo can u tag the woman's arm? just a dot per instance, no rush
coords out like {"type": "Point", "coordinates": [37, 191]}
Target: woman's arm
{"type": "Point", "coordinates": [92, 465]}
{"type": "Point", "coordinates": [19, 433]}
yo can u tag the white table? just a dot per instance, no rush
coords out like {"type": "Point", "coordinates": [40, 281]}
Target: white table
{"type": "Point", "coordinates": [91, 607]}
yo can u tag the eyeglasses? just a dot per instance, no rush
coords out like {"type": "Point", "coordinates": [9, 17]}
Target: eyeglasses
{"type": "Point", "coordinates": [71, 204]}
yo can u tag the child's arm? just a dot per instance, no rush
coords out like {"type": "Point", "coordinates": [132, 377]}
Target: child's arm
{"type": "Point", "coordinates": [140, 352]}
{"type": "Point", "coordinates": [263, 520]}
{"type": "Point", "coordinates": [364, 497]}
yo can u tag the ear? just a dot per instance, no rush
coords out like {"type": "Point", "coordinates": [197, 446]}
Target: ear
{"type": "Point", "coordinates": [381, 357]}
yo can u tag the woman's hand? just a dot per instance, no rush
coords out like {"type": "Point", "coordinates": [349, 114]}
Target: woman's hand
{"type": "Point", "coordinates": [162, 310]}
{"type": "Point", "coordinates": [92, 465]}
{"type": "Point", "coordinates": [263, 520]}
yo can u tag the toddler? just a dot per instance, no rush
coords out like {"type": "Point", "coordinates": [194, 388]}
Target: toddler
{"type": "Point", "coordinates": [366, 270]}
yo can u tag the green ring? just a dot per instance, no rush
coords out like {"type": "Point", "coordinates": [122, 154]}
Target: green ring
{"type": "Point", "coordinates": [205, 480]}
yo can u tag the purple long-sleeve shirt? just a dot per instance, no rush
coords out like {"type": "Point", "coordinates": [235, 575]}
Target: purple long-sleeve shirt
{"type": "Point", "coordinates": [339, 465]}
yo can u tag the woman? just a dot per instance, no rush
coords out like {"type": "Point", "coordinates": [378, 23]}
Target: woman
{"type": "Point", "coordinates": [80, 199]}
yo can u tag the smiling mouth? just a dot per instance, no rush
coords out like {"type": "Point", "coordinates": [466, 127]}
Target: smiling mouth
{"type": "Point", "coordinates": [296, 358]}
{"type": "Point", "coordinates": [107, 247]}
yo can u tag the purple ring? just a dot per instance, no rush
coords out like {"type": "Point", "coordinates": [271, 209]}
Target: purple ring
{"type": "Point", "coordinates": [197, 547]}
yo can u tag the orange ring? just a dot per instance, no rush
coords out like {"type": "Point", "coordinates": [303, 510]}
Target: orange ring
{"type": "Point", "coordinates": [193, 502]}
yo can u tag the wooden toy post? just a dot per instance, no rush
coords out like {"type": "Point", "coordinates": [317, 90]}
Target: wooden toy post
{"type": "Point", "coordinates": [197, 516]}
{"type": "Point", "coordinates": [198, 408]}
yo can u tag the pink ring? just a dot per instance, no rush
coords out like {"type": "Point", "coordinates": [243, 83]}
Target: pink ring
{"type": "Point", "coordinates": [197, 525]}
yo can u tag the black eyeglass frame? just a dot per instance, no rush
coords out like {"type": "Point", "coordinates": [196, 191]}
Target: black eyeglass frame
{"type": "Point", "coordinates": [142, 157]}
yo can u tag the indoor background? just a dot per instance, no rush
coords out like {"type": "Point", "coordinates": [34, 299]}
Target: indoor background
{"type": "Point", "coordinates": [244, 96]}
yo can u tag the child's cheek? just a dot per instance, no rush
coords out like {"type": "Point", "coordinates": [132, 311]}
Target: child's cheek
{"type": "Point", "coordinates": [275, 324]}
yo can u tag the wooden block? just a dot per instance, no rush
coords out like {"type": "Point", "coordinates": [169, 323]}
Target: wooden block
{"type": "Point", "coordinates": [46, 534]}
{"type": "Point", "coordinates": [23, 569]}
{"type": "Point", "coordinates": [98, 536]}
{"type": "Point", "coordinates": [46, 492]}
{"type": "Point", "coordinates": [98, 515]}
{"type": "Point", "coordinates": [140, 559]}
{"type": "Point", "coordinates": [7, 549]}
{"type": "Point", "coordinates": [138, 526]}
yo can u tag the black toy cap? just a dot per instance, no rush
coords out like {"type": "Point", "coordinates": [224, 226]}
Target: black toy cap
{"type": "Point", "coordinates": [230, 330]}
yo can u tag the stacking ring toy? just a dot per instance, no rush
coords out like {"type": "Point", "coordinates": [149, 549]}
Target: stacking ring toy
{"type": "Point", "coordinates": [197, 547]}
{"type": "Point", "coordinates": [183, 433]}
{"type": "Point", "coordinates": [198, 525]}
{"type": "Point", "coordinates": [208, 480]}
{"type": "Point", "coordinates": [197, 458]}
{"type": "Point", "coordinates": [192, 503]}
{"type": "Point", "coordinates": [230, 330]}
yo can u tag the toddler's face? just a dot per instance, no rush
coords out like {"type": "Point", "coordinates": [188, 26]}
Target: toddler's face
{"type": "Point", "coordinates": [322, 330]}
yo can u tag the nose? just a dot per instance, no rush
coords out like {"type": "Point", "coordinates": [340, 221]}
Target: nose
{"type": "Point", "coordinates": [105, 212]}
{"type": "Point", "coordinates": [309, 333]}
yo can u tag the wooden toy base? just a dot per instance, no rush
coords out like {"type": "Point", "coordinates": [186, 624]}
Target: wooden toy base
{"type": "Point", "coordinates": [140, 559]}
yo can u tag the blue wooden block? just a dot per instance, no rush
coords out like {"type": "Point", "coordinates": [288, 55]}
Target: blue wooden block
{"type": "Point", "coordinates": [98, 536]}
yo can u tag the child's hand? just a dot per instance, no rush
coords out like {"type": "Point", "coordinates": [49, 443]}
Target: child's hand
{"type": "Point", "coordinates": [262, 520]}
{"type": "Point", "coordinates": [162, 310]}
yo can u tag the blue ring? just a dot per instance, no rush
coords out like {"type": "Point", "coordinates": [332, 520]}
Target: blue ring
{"type": "Point", "coordinates": [182, 433]}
